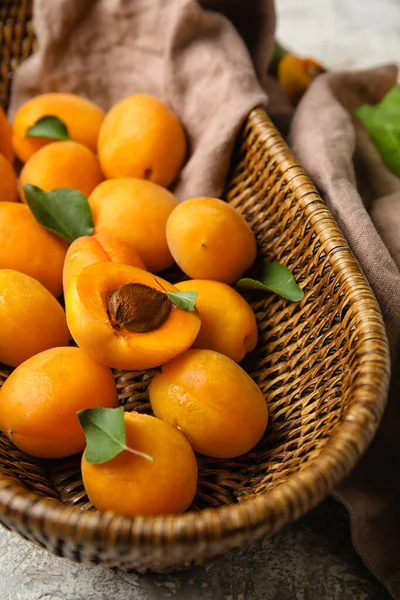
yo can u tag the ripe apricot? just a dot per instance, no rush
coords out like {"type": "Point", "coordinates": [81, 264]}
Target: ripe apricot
{"type": "Point", "coordinates": [137, 212]}
{"type": "Point", "coordinates": [212, 400]}
{"type": "Point", "coordinates": [28, 247]}
{"type": "Point", "coordinates": [81, 117]}
{"type": "Point", "coordinates": [296, 74]}
{"type": "Point", "coordinates": [99, 248]}
{"type": "Point", "coordinates": [209, 239]}
{"type": "Point", "coordinates": [228, 323]}
{"type": "Point", "coordinates": [31, 318]}
{"type": "Point", "coordinates": [40, 399]}
{"type": "Point", "coordinates": [8, 181]}
{"type": "Point", "coordinates": [62, 165]}
{"type": "Point", "coordinates": [142, 137]}
{"type": "Point", "coordinates": [122, 317]}
{"type": "Point", "coordinates": [5, 137]}
{"type": "Point", "coordinates": [131, 485]}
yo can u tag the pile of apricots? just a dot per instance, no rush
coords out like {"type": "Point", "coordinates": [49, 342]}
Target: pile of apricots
{"type": "Point", "coordinates": [118, 312]}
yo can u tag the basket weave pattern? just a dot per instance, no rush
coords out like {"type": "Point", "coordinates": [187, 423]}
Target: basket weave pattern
{"type": "Point", "coordinates": [322, 365]}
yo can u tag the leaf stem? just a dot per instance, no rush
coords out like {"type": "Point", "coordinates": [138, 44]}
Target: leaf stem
{"type": "Point", "coordinates": [138, 453]}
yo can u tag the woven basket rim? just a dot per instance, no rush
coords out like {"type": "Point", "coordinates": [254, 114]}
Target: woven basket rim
{"type": "Point", "coordinates": [303, 490]}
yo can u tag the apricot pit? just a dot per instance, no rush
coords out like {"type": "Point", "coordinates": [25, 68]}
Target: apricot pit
{"type": "Point", "coordinates": [137, 308]}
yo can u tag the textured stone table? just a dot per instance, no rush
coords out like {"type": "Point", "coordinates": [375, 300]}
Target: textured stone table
{"type": "Point", "coordinates": [312, 559]}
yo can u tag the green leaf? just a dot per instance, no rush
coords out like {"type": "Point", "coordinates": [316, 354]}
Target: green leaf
{"type": "Point", "coordinates": [382, 122]}
{"type": "Point", "coordinates": [49, 127]}
{"type": "Point", "coordinates": [183, 300]}
{"type": "Point", "coordinates": [63, 211]}
{"type": "Point", "coordinates": [275, 278]}
{"type": "Point", "coordinates": [105, 434]}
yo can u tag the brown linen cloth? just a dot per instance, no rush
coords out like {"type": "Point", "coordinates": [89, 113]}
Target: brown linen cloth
{"type": "Point", "coordinates": [182, 51]}
{"type": "Point", "coordinates": [364, 197]}
{"type": "Point", "coordinates": [190, 54]}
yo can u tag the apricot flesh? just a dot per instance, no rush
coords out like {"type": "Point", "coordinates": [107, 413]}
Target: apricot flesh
{"type": "Point", "coordinates": [31, 318]}
{"type": "Point", "coordinates": [141, 137]}
{"type": "Point", "coordinates": [209, 239]}
{"type": "Point", "coordinates": [228, 323]}
{"type": "Point", "coordinates": [99, 248]}
{"type": "Point", "coordinates": [40, 399]}
{"type": "Point", "coordinates": [82, 118]}
{"type": "Point", "coordinates": [28, 247]}
{"type": "Point", "coordinates": [131, 485]}
{"type": "Point", "coordinates": [62, 165]}
{"type": "Point", "coordinates": [212, 400]}
{"type": "Point", "coordinates": [136, 211]}
{"type": "Point", "coordinates": [89, 321]}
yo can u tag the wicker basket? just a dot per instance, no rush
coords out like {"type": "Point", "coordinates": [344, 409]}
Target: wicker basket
{"type": "Point", "coordinates": [322, 364]}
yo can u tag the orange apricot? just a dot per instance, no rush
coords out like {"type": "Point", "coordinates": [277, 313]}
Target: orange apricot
{"type": "Point", "coordinates": [81, 117]}
{"type": "Point", "coordinates": [142, 137]}
{"type": "Point", "coordinates": [136, 211]}
{"type": "Point", "coordinates": [122, 317]}
{"type": "Point", "coordinates": [5, 137]}
{"type": "Point", "coordinates": [209, 239]}
{"type": "Point", "coordinates": [40, 399]}
{"type": "Point", "coordinates": [8, 181]}
{"type": "Point", "coordinates": [296, 74]}
{"type": "Point", "coordinates": [228, 323]}
{"type": "Point", "coordinates": [99, 248]}
{"type": "Point", "coordinates": [212, 400]}
{"type": "Point", "coordinates": [28, 247]}
{"type": "Point", "coordinates": [62, 165]}
{"type": "Point", "coordinates": [31, 318]}
{"type": "Point", "coordinates": [131, 485]}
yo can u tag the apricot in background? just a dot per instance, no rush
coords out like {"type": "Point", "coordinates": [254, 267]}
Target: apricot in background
{"type": "Point", "coordinates": [136, 211]}
{"type": "Point", "coordinates": [8, 181]}
{"type": "Point", "coordinates": [6, 137]}
{"type": "Point", "coordinates": [62, 165]}
{"type": "Point", "coordinates": [131, 485]}
{"type": "Point", "coordinates": [81, 117]}
{"type": "Point", "coordinates": [209, 239]}
{"type": "Point", "coordinates": [122, 317]}
{"type": "Point", "coordinates": [212, 400]}
{"type": "Point", "coordinates": [40, 399]}
{"type": "Point", "coordinates": [31, 318]}
{"type": "Point", "coordinates": [142, 137]}
{"type": "Point", "coordinates": [228, 323]}
{"type": "Point", "coordinates": [99, 248]}
{"type": "Point", "coordinates": [28, 247]}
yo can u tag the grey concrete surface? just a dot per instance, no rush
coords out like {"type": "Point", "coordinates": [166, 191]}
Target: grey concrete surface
{"type": "Point", "coordinates": [312, 559]}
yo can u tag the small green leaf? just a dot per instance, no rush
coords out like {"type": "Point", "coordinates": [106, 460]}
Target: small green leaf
{"type": "Point", "coordinates": [105, 434]}
{"type": "Point", "coordinates": [184, 300]}
{"type": "Point", "coordinates": [49, 127]}
{"type": "Point", "coordinates": [64, 211]}
{"type": "Point", "coordinates": [275, 278]}
{"type": "Point", "coordinates": [382, 122]}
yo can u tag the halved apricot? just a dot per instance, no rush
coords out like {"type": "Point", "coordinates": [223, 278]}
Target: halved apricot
{"type": "Point", "coordinates": [102, 247]}
{"type": "Point", "coordinates": [122, 317]}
